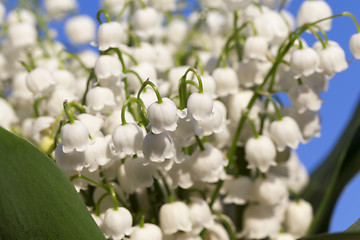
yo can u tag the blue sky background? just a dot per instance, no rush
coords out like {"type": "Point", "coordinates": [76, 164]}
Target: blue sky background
{"type": "Point", "coordinates": [339, 102]}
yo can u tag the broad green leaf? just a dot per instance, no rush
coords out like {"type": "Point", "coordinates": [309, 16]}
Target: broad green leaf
{"type": "Point", "coordinates": [355, 227]}
{"type": "Point", "coordinates": [335, 236]}
{"type": "Point", "coordinates": [329, 179]}
{"type": "Point", "coordinates": [37, 201]}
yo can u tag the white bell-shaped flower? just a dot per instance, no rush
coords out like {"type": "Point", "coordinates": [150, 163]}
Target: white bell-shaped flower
{"type": "Point", "coordinates": [163, 5]}
{"type": "Point", "coordinates": [92, 123]}
{"type": "Point", "coordinates": [139, 173]}
{"type": "Point", "coordinates": [107, 67]}
{"type": "Point", "coordinates": [260, 153]}
{"type": "Point", "coordinates": [22, 35]}
{"type": "Point", "coordinates": [58, 9]}
{"type": "Point", "coordinates": [70, 161]}
{"type": "Point", "coordinates": [54, 104]}
{"type": "Point", "coordinates": [40, 81]}
{"type": "Point", "coordinates": [252, 72]}
{"type": "Point", "coordinates": [226, 81]}
{"type": "Point", "coordinates": [181, 174]}
{"type": "Point", "coordinates": [80, 29]}
{"type": "Point", "coordinates": [19, 15]}
{"type": "Point", "coordinates": [255, 48]}
{"type": "Point", "coordinates": [216, 232]}
{"type": "Point", "coordinates": [148, 231]}
{"type": "Point", "coordinates": [271, 26]}
{"type": "Point", "coordinates": [114, 119]}
{"type": "Point", "coordinates": [146, 71]}
{"type": "Point", "coordinates": [74, 136]}
{"type": "Point", "coordinates": [269, 191]}
{"type": "Point", "coordinates": [200, 105]}
{"type": "Point", "coordinates": [332, 58]}
{"type": "Point", "coordinates": [312, 11]}
{"type": "Point", "coordinates": [100, 99]}
{"type": "Point", "coordinates": [215, 124]}
{"type": "Point", "coordinates": [299, 216]}
{"type": "Point", "coordinates": [260, 222]}
{"type": "Point", "coordinates": [117, 223]}
{"type": "Point", "coordinates": [208, 164]}
{"type": "Point", "coordinates": [304, 62]}
{"type": "Point", "coordinates": [146, 22]}
{"type": "Point", "coordinates": [304, 97]}
{"type": "Point", "coordinates": [174, 217]}
{"type": "Point", "coordinates": [8, 115]}
{"type": "Point", "coordinates": [237, 4]}
{"type": "Point", "coordinates": [200, 214]}
{"type": "Point", "coordinates": [354, 45]}
{"type": "Point", "coordinates": [162, 116]}
{"type": "Point", "coordinates": [110, 35]}
{"type": "Point", "coordinates": [293, 172]}
{"type": "Point", "coordinates": [176, 31]}
{"type": "Point", "coordinates": [128, 139]}
{"type": "Point", "coordinates": [285, 132]}
{"type": "Point", "coordinates": [97, 154]}
{"type": "Point", "coordinates": [157, 147]}
{"type": "Point", "coordinates": [236, 190]}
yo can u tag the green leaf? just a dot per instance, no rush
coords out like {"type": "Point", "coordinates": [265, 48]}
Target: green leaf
{"type": "Point", "coordinates": [37, 201]}
{"type": "Point", "coordinates": [335, 236]}
{"type": "Point", "coordinates": [355, 227]}
{"type": "Point", "coordinates": [330, 178]}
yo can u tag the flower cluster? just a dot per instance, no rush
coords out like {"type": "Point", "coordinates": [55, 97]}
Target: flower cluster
{"type": "Point", "coordinates": [176, 120]}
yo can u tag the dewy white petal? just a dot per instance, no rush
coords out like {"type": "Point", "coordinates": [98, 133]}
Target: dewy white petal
{"type": "Point", "coordinates": [174, 217]}
{"type": "Point", "coordinates": [260, 153]}
{"type": "Point", "coordinates": [74, 137]}
{"type": "Point", "coordinates": [80, 29]}
{"type": "Point", "coordinates": [73, 160]}
{"type": "Point", "coordinates": [157, 147]}
{"type": "Point", "coordinates": [299, 216]}
{"type": "Point", "coordinates": [285, 132]}
{"type": "Point", "coordinates": [208, 165]}
{"type": "Point", "coordinates": [200, 105]}
{"type": "Point", "coordinates": [304, 97]}
{"type": "Point", "coordinates": [110, 35]}
{"type": "Point", "coordinates": [312, 11]}
{"type": "Point", "coordinates": [255, 48]}
{"type": "Point", "coordinates": [162, 116]}
{"type": "Point", "coordinates": [226, 81]}
{"type": "Point", "coordinates": [269, 191]}
{"type": "Point", "coordinates": [236, 190]}
{"type": "Point", "coordinates": [117, 223]}
{"type": "Point", "coordinates": [128, 139]}
{"type": "Point", "coordinates": [354, 45]}
{"type": "Point", "coordinates": [304, 62]}
{"type": "Point", "coordinates": [148, 231]}
{"type": "Point", "coordinates": [200, 214]}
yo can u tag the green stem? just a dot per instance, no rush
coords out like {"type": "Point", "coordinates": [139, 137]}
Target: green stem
{"type": "Point", "coordinates": [277, 110]}
{"type": "Point", "coordinates": [36, 106]}
{"type": "Point", "coordinates": [127, 102]}
{"type": "Point", "coordinates": [167, 188]}
{"type": "Point", "coordinates": [147, 82]}
{"type": "Point", "coordinates": [253, 127]}
{"type": "Point", "coordinates": [118, 18]}
{"type": "Point", "coordinates": [119, 54]}
{"type": "Point", "coordinates": [26, 66]}
{"type": "Point", "coordinates": [91, 76]}
{"type": "Point", "coordinates": [97, 206]}
{"type": "Point", "coordinates": [227, 225]}
{"type": "Point", "coordinates": [113, 195]}
{"type": "Point", "coordinates": [102, 11]}
{"type": "Point", "coordinates": [68, 112]}
{"type": "Point", "coordinates": [136, 74]}
{"type": "Point", "coordinates": [199, 142]}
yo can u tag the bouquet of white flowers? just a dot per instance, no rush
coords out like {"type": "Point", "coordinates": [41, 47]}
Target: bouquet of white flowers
{"type": "Point", "coordinates": [169, 127]}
